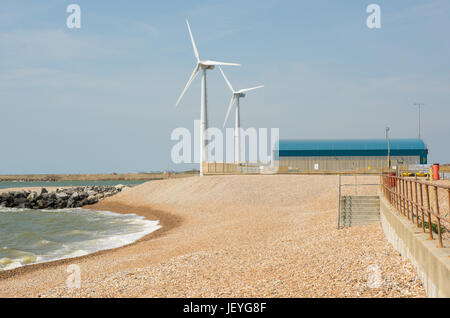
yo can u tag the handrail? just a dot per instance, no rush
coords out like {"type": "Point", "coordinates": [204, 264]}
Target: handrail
{"type": "Point", "coordinates": [399, 192]}
{"type": "Point", "coordinates": [441, 186]}
{"type": "Point", "coordinates": [340, 185]}
{"type": "Point", "coordinates": [360, 184]}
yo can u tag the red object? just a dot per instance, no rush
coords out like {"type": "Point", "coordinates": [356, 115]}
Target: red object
{"type": "Point", "coordinates": [392, 179]}
{"type": "Point", "coordinates": [436, 172]}
{"type": "Point", "coordinates": [168, 174]}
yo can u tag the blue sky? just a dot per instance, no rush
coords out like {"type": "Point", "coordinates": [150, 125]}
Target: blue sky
{"type": "Point", "coordinates": [101, 98]}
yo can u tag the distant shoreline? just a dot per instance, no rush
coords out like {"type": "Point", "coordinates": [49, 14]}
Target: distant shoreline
{"type": "Point", "coordinates": [92, 177]}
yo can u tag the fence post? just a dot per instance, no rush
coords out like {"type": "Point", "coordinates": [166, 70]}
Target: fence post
{"type": "Point", "coordinates": [389, 187]}
{"type": "Point", "coordinates": [407, 198]}
{"type": "Point", "coordinates": [339, 203]}
{"type": "Point", "coordinates": [427, 190]}
{"type": "Point", "coordinates": [405, 207]}
{"type": "Point", "coordinates": [449, 204]}
{"type": "Point", "coordinates": [404, 198]}
{"type": "Point", "coordinates": [411, 198]}
{"type": "Point", "coordinates": [421, 207]}
{"type": "Point", "coordinates": [438, 216]}
{"type": "Point", "coordinates": [417, 204]}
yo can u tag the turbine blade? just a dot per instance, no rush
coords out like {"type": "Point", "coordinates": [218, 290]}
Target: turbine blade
{"type": "Point", "coordinates": [213, 63]}
{"type": "Point", "coordinates": [193, 42]}
{"type": "Point", "coordinates": [229, 110]}
{"type": "Point", "coordinates": [194, 74]}
{"type": "Point", "coordinates": [226, 79]}
{"type": "Point", "coordinates": [250, 89]}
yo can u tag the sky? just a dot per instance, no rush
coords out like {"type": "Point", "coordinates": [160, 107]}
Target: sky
{"type": "Point", "coordinates": [101, 98]}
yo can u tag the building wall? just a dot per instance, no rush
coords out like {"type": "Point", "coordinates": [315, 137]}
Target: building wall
{"type": "Point", "coordinates": [345, 163]}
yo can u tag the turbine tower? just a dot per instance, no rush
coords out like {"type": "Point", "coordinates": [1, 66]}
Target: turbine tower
{"type": "Point", "coordinates": [204, 65]}
{"type": "Point", "coordinates": [236, 95]}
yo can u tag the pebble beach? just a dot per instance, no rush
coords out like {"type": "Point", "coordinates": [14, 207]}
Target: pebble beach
{"type": "Point", "coordinates": [232, 236]}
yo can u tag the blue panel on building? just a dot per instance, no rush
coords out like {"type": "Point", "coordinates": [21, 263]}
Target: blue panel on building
{"type": "Point", "coordinates": [349, 148]}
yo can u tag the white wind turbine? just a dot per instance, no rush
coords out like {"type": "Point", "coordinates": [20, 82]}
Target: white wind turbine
{"type": "Point", "coordinates": [204, 65]}
{"type": "Point", "coordinates": [235, 97]}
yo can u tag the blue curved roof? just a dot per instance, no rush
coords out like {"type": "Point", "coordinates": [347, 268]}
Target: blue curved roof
{"type": "Point", "coordinates": [351, 147]}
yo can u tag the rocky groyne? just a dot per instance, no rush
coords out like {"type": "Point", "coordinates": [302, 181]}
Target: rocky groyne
{"type": "Point", "coordinates": [60, 198]}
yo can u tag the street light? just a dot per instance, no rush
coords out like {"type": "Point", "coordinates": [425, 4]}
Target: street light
{"type": "Point", "coordinates": [419, 105]}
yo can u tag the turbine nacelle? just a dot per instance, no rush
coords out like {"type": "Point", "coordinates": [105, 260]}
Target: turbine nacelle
{"type": "Point", "coordinates": [240, 95]}
{"type": "Point", "coordinates": [206, 67]}
{"type": "Point", "coordinates": [209, 65]}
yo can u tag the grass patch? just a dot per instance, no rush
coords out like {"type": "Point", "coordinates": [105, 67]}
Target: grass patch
{"type": "Point", "coordinates": [434, 227]}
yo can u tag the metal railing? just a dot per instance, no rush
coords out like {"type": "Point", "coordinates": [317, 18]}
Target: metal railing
{"type": "Point", "coordinates": [356, 184]}
{"type": "Point", "coordinates": [420, 202]}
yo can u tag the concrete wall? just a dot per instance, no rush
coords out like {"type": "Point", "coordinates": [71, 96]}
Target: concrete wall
{"type": "Point", "coordinates": [221, 167]}
{"type": "Point", "coordinates": [432, 263]}
{"type": "Point", "coordinates": [345, 163]}
{"type": "Point", "coordinates": [244, 168]}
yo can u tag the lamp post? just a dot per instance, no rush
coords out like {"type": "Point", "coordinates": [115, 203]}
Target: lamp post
{"type": "Point", "coordinates": [419, 105]}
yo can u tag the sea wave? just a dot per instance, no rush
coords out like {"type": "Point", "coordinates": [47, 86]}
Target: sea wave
{"type": "Point", "coordinates": [36, 236]}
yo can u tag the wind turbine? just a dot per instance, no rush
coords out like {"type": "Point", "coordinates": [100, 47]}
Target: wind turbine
{"type": "Point", "coordinates": [236, 95]}
{"type": "Point", "coordinates": [204, 65]}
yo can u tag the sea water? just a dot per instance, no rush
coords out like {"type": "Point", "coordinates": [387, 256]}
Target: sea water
{"type": "Point", "coordinates": [36, 236]}
{"type": "Point", "coordinates": [75, 183]}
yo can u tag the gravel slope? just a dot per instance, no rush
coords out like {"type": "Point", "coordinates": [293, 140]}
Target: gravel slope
{"type": "Point", "coordinates": [243, 236]}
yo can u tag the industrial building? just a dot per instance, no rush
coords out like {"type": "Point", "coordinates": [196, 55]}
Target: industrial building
{"type": "Point", "coordinates": [349, 155]}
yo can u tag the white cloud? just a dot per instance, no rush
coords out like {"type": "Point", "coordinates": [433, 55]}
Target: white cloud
{"type": "Point", "coordinates": [47, 78]}
{"type": "Point", "coordinates": [436, 9]}
{"type": "Point", "coordinates": [51, 45]}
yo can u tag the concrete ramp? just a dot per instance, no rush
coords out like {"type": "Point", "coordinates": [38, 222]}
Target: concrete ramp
{"type": "Point", "coordinates": [359, 210]}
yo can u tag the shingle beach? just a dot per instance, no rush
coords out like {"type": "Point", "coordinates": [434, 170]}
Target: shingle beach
{"type": "Point", "coordinates": [232, 236]}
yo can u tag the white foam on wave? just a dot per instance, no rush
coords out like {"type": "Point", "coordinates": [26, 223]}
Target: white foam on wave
{"type": "Point", "coordinates": [81, 248]}
{"type": "Point", "coordinates": [113, 241]}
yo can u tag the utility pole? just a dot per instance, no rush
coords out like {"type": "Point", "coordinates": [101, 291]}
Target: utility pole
{"type": "Point", "coordinates": [419, 105]}
{"type": "Point", "coordinates": [389, 147]}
